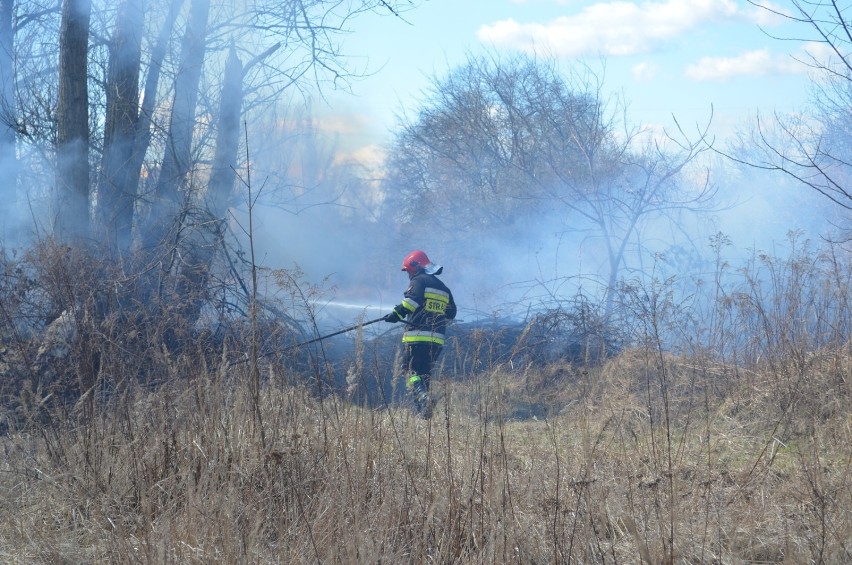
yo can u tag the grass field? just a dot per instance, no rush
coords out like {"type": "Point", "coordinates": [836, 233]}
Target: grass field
{"type": "Point", "coordinates": [719, 432]}
{"type": "Point", "coordinates": [645, 459]}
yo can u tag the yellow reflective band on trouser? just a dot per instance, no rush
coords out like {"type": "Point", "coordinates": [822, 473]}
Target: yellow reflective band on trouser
{"type": "Point", "coordinates": [412, 380]}
{"type": "Point", "coordinates": [422, 337]}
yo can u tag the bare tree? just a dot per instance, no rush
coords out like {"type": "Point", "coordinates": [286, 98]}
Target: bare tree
{"type": "Point", "coordinates": [33, 83]}
{"type": "Point", "coordinates": [116, 184]}
{"type": "Point", "coordinates": [502, 143]}
{"type": "Point", "coordinates": [167, 197]}
{"type": "Point", "coordinates": [209, 228]}
{"type": "Point", "coordinates": [72, 123]}
{"type": "Point", "coordinates": [813, 149]}
{"type": "Point", "coordinates": [144, 123]}
{"type": "Point", "coordinates": [8, 113]}
{"type": "Point", "coordinates": [302, 49]}
{"type": "Point", "coordinates": [157, 168]}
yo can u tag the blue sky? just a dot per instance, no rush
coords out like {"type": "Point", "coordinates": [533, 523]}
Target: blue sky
{"type": "Point", "coordinates": [665, 57]}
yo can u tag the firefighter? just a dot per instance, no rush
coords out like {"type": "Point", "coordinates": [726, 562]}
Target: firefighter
{"type": "Point", "coordinates": [426, 307]}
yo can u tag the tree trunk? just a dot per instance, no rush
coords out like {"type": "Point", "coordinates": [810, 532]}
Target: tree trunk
{"type": "Point", "coordinates": [166, 200]}
{"type": "Point", "coordinates": [116, 187]}
{"type": "Point", "coordinates": [209, 233]}
{"type": "Point", "coordinates": [221, 188]}
{"type": "Point", "coordinates": [142, 133]}
{"type": "Point", "coordinates": [8, 118]}
{"type": "Point", "coordinates": [72, 124]}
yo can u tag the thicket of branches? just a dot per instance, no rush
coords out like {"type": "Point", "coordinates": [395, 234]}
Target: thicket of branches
{"type": "Point", "coordinates": [124, 126]}
{"type": "Point", "coordinates": [812, 148]}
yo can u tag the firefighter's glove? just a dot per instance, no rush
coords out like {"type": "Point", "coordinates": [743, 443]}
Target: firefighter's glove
{"type": "Point", "coordinates": [392, 318]}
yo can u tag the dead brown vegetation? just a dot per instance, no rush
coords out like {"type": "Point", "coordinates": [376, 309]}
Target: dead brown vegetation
{"type": "Point", "coordinates": [183, 474]}
{"type": "Point", "coordinates": [658, 455]}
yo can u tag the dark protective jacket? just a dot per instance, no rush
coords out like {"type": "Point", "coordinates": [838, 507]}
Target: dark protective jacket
{"type": "Point", "coordinates": [428, 304]}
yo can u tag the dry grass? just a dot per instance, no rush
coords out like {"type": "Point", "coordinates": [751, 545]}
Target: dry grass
{"type": "Point", "coordinates": [735, 449]}
{"type": "Point", "coordinates": [183, 474]}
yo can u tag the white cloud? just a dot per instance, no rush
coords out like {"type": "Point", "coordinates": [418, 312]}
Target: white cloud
{"type": "Point", "coordinates": [817, 53]}
{"type": "Point", "coordinates": [616, 28]}
{"type": "Point", "coordinates": [752, 63]}
{"type": "Point", "coordinates": [644, 72]}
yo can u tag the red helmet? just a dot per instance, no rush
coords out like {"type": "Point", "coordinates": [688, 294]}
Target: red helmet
{"type": "Point", "coordinates": [417, 261]}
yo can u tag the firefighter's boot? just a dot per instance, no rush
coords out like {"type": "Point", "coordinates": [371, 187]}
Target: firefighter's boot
{"type": "Point", "coordinates": [420, 395]}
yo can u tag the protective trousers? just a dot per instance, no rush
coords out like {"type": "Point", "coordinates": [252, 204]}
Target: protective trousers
{"type": "Point", "coordinates": [417, 364]}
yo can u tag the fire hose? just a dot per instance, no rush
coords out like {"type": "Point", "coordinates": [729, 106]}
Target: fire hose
{"type": "Point", "coordinates": [316, 339]}
{"type": "Point", "coordinates": [343, 331]}
{"type": "Point", "coordinates": [320, 338]}
{"type": "Point", "coordinates": [338, 332]}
